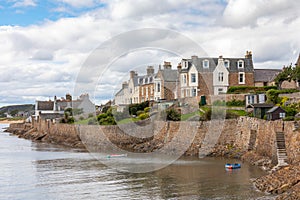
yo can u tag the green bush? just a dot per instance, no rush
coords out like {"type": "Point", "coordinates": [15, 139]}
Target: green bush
{"type": "Point", "coordinates": [102, 116]}
{"type": "Point", "coordinates": [173, 115]}
{"type": "Point", "coordinates": [219, 103]}
{"type": "Point", "coordinates": [133, 108]}
{"type": "Point", "coordinates": [107, 121]}
{"type": "Point", "coordinates": [218, 113]}
{"type": "Point", "coordinates": [247, 89]}
{"type": "Point", "coordinates": [273, 95]}
{"type": "Point", "coordinates": [289, 118]}
{"type": "Point", "coordinates": [235, 103]}
{"type": "Point", "coordinates": [138, 113]}
{"type": "Point", "coordinates": [147, 109]}
{"type": "Point", "coordinates": [92, 121]}
{"type": "Point", "coordinates": [143, 116]}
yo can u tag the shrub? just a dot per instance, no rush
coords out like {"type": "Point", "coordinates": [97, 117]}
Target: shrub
{"type": "Point", "coordinates": [147, 109]}
{"type": "Point", "coordinates": [138, 113]}
{"type": "Point", "coordinates": [219, 103]}
{"type": "Point", "coordinates": [247, 89]}
{"type": "Point", "coordinates": [109, 120]}
{"type": "Point", "coordinates": [102, 116]}
{"type": "Point", "coordinates": [173, 115]}
{"type": "Point", "coordinates": [273, 95]}
{"type": "Point", "coordinates": [235, 103]}
{"type": "Point", "coordinates": [289, 118]}
{"type": "Point", "coordinates": [143, 116]}
{"type": "Point", "coordinates": [92, 121]}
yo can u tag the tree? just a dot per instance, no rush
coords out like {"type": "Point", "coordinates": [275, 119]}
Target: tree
{"type": "Point", "coordinates": [287, 74]}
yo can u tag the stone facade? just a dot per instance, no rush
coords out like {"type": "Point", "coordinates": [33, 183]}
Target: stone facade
{"type": "Point", "coordinates": [234, 79]}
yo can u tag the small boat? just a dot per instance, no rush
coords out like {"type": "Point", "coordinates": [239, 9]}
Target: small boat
{"type": "Point", "coordinates": [232, 166]}
{"type": "Point", "coordinates": [116, 155]}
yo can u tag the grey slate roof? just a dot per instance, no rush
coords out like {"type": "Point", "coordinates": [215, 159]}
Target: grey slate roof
{"type": "Point", "coordinates": [265, 75]}
{"type": "Point", "coordinates": [169, 75]}
{"type": "Point", "coordinates": [45, 105]}
{"type": "Point", "coordinates": [274, 109]}
{"type": "Point", "coordinates": [213, 62]}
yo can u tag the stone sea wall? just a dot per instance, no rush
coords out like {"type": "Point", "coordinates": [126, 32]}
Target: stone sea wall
{"type": "Point", "coordinates": [236, 136]}
{"type": "Point", "coordinates": [250, 139]}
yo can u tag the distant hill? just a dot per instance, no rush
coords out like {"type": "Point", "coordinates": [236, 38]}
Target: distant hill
{"type": "Point", "coordinates": [15, 109]}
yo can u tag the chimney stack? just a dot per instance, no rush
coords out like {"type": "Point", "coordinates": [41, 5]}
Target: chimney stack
{"type": "Point", "coordinates": [68, 97]}
{"type": "Point", "coordinates": [167, 65]}
{"type": "Point", "coordinates": [248, 54]}
{"type": "Point", "coordinates": [124, 85]}
{"type": "Point", "coordinates": [150, 70]}
{"type": "Point", "coordinates": [132, 74]}
{"type": "Point", "coordinates": [179, 67]}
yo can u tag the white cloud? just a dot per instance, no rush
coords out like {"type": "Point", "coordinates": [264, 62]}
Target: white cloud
{"type": "Point", "coordinates": [24, 3]}
{"type": "Point", "coordinates": [79, 3]}
{"type": "Point", "coordinates": [253, 12]}
{"type": "Point", "coordinates": [44, 60]}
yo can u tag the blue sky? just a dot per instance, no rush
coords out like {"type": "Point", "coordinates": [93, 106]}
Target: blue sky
{"type": "Point", "coordinates": [43, 44]}
{"type": "Point", "coordinates": [37, 12]}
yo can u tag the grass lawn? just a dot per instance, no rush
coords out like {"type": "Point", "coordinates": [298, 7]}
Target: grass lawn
{"type": "Point", "coordinates": [84, 121]}
{"type": "Point", "coordinates": [189, 115]}
{"type": "Point", "coordinates": [128, 120]}
{"type": "Point", "coordinates": [238, 112]}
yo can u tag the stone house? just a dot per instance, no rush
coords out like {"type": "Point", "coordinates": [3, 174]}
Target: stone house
{"type": "Point", "coordinates": [55, 109]}
{"type": "Point", "coordinates": [129, 93]}
{"type": "Point", "coordinates": [146, 84]}
{"type": "Point", "coordinates": [213, 76]}
{"type": "Point", "coordinates": [136, 90]}
{"type": "Point", "coordinates": [265, 77]}
{"type": "Point", "coordinates": [166, 83]}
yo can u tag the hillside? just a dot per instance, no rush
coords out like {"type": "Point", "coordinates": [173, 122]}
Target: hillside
{"type": "Point", "coordinates": [15, 109]}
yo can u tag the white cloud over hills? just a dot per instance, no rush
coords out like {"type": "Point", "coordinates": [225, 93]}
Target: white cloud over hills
{"type": "Point", "coordinates": [43, 59]}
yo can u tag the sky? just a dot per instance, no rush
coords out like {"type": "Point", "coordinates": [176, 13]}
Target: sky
{"type": "Point", "coordinates": [46, 45]}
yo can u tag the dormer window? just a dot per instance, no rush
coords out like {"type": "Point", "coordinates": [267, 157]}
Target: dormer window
{"type": "Point", "coordinates": [226, 63]}
{"type": "Point", "coordinates": [185, 64]}
{"type": "Point", "coordinates": [205, 63]}
{"type": "Point", "coordinates": [240, 64]}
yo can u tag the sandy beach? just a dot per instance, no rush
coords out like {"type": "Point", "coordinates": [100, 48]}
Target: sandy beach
{"type": "Point", "coordinates": [11, 121]}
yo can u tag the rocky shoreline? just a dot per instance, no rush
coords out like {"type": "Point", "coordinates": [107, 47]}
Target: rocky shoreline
{"type": "Point", "coordinates": [285, 182]}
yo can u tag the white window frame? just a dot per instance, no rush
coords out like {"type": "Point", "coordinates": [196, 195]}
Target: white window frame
{"type": "Point", "coordinates": [184, 77]}
{"type": "Point", "coordinates": [281, 115]}
{"type": "Point", "coordinates": [241, 73]}
{"type": "Point", "coordinates": [226, 61]}
{"type": "Point", "coordinates": [238, 64]}
{"type": "Point", "coordinates": [195, 78]}
{"type": "Point", "coordinates": [158, 87]}
{"type": "Point", "coordinates": [194, 92]}
{"type": "Point", "coordinates": [221, 77]}
{"type": "Point", "coordinates": [205, 64]}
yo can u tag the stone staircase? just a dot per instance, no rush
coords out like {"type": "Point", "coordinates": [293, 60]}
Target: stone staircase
{"type": "Point", "coordinates": [281, 150]}
{"type": "Point", "coordinates": [211, 138]}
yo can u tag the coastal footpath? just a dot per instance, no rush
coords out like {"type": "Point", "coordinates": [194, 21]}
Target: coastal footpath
{"type": "Point", "coordinates": [250, 139]}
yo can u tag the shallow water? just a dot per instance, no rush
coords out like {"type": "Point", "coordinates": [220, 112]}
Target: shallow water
{"type": "Point", "coordinates": [41, 171]}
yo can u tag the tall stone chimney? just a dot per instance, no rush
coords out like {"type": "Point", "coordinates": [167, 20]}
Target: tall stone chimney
{"type": "Point", "coordinates": [248, 54]}
{"type": "Point", "coordinates": [132, 74]}
{"type": "Point", "coordinates": [68, 97]}
{"type": "Point", "coordinates": [194, 57]}
{"type": "Point", "coordinates": [150, 70]}
{"type": "Point", "coordinates": [167, 65]}
{"type": "Point", "coordinates": [124, 85]}
{"type": "Point", "coordinates": [179, 67]}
